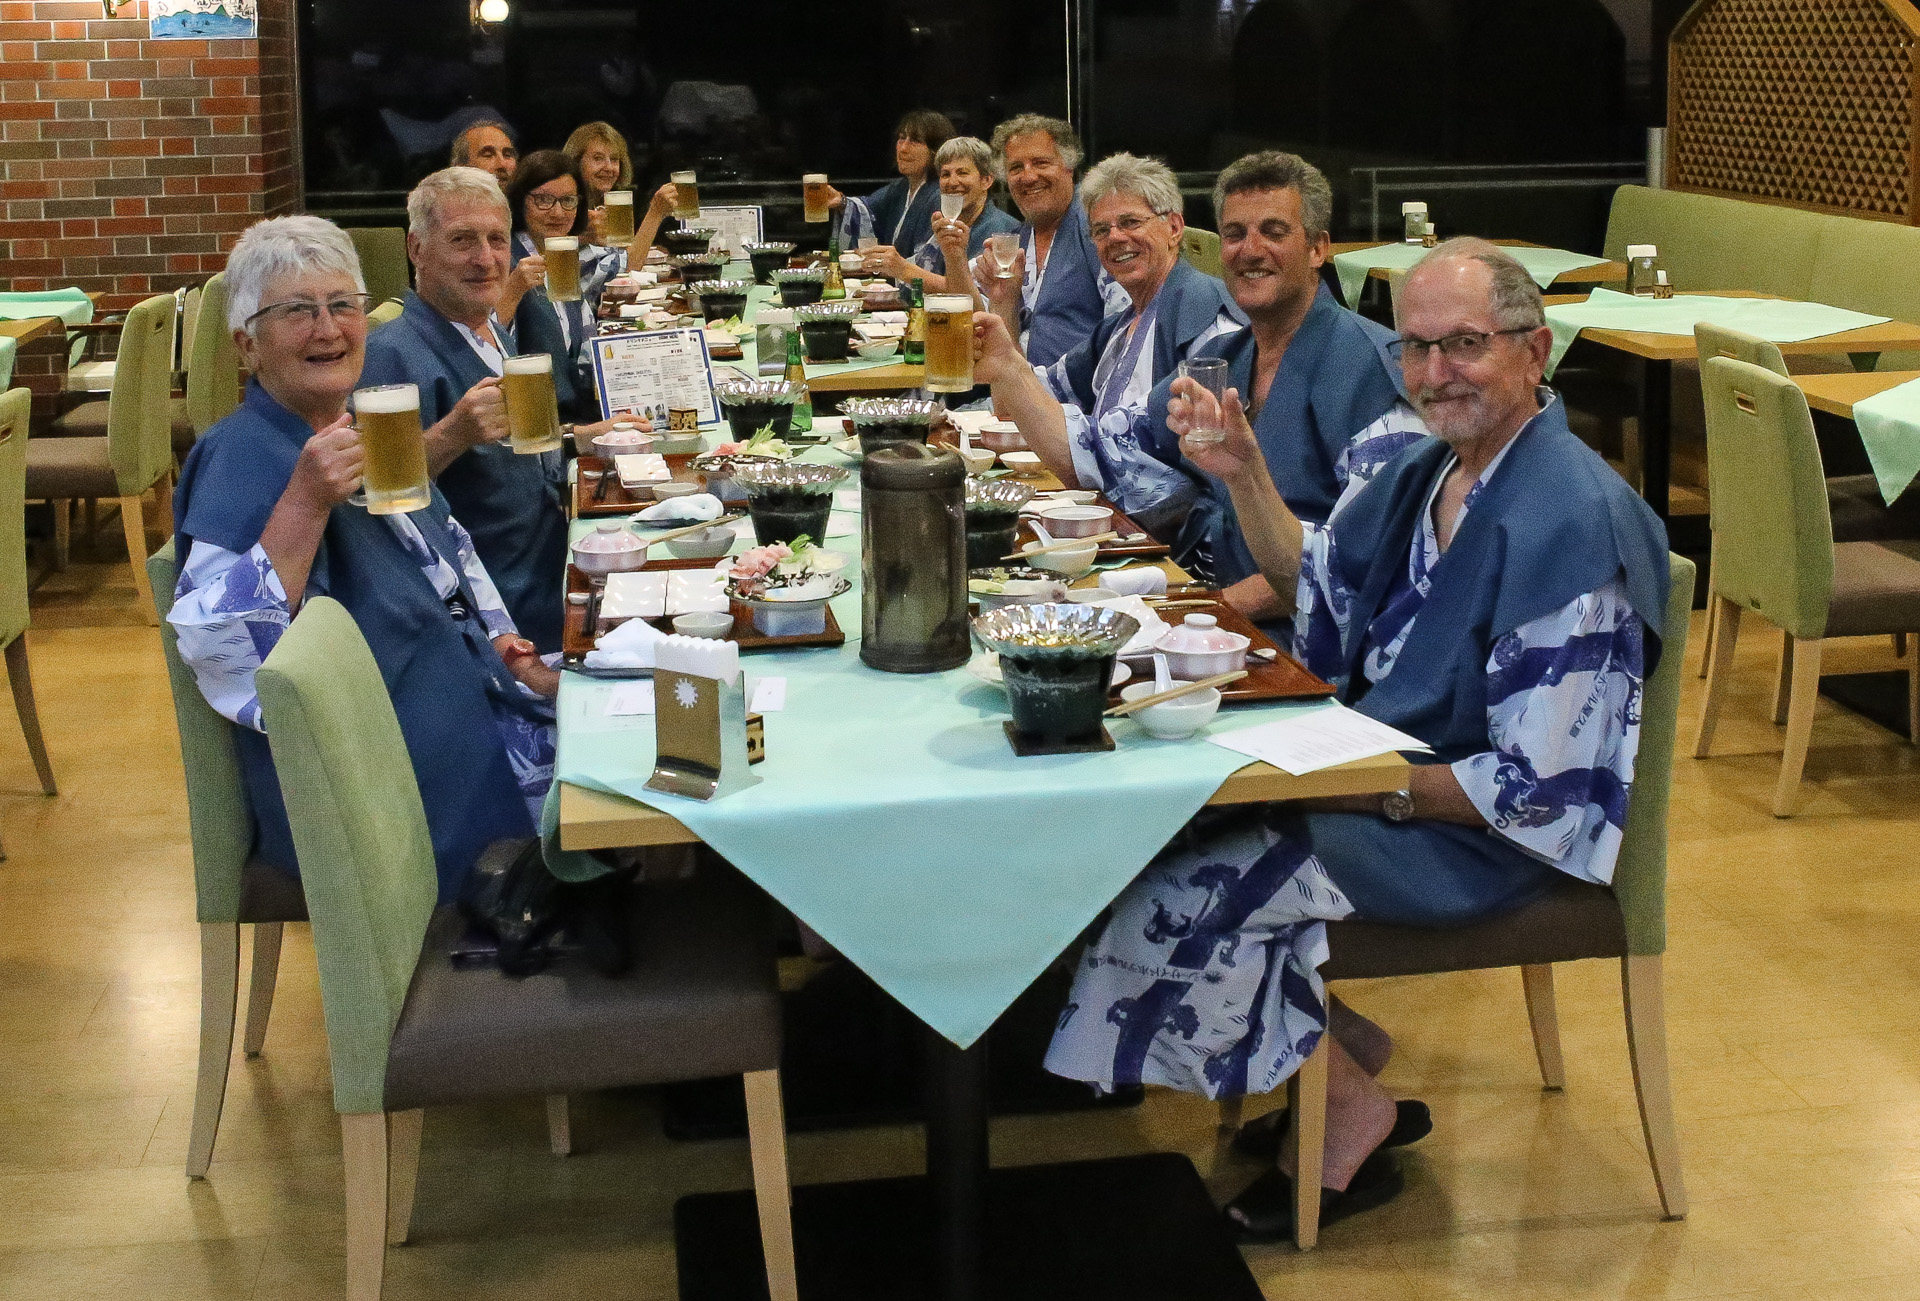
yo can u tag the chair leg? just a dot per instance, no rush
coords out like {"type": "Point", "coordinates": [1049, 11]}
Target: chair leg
{"type": "Point", "coordinates": [772, 1185]}
{"type": "Point", "coordinates": [20, 678]}
{"type": "Point", "coordinates": [1718, 672]}
{"type": "Point", "coordinates": [559, 1125]}
{"type": "Point", "coordinates": [219, 995]}
{"type": "Point", "coordinates": [1913, 700]}
{"type": "Point", "coordinates": [1543, 1014]}
{"type": "Point", "coordinates": [62, 534]}
{"type": "Point", "coordinates": [1307, 1096]}
{"type": "Point", "coordinates": [363, 1143]}
{"type": "Point", "coordinates": [134, 521]}
{"type": "Point", "coordinates": [1231, 1110]}
{"type": "Point", "coordinates": [1713, 621]}
{"type": "Point", "coordinates": [90, 520]}
{"type": "Point", "coordinates": [1783, 679]}
{"type": "Point", "coordinates": [1643, 990]}
{"type": "Point", "coordinates": [1900, 645]}
{"type": "Point", "coordinates": [266, 971]}
{"type": "Point", "coordinates": [1806, 692]}
{"type": "Point", "coordinates": [403, 1165]}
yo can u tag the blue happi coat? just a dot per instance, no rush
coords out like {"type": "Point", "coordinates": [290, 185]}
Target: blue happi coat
{"type": "Point", "coordinates": [1070, 301]}
{"type": "Point", "coordinates": [511, 504]}
{"type": "Point", "coordinates": [536, 328]}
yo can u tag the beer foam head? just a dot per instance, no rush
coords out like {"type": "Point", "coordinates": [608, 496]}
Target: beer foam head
{"type": "Point", "coordinates": [683, 178]}
{"type": "Point", "coordinates": [619, 198]}
{"type": "Point", "coordinates": [386, 399]}
{"type": "Point", "coordinates": [562, 243]}
{"type": "Point", "coordinates": [949, 303]}
{"type": "Point", "coordinates": [814, 178]}
{"type": "Point", "coordinates": [531, 363]}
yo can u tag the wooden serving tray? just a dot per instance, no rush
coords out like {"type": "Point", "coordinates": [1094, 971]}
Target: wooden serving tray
{"type": "Point", "coordinates": [576, 640]}
{"type": "Point", "coordinates": [1284, 679]}
{"type": "Point", "coordinates": [618, 501]}
{"type": "Point", "coordinates": [1114, 549]}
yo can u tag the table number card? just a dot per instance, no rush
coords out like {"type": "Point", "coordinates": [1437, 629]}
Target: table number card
{"type": "Point", "coordinates": [649, 372]}
{"type": "Point", "coordinates": [735, 226]}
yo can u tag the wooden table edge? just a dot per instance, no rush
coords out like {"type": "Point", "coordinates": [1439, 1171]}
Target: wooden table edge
{"type": "Point", "coordinates": [1835, 393]}
{"type": "Point", "coordinates": [1895, 336]}
{"type": "Point", "coordinates": [591, 819]}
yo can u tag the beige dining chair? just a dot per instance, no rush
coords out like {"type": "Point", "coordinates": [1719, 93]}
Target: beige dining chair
{"type": "Point", "coordinates": [1202, 249]}
{"type": "Point", "coordinates": [385, 314]}
{"type": "Point", "coordinates": [134, 453]}
{"type": "Point", "coordinates": [179, 412]}
{"type": "Point", "coordinates": [213, 363]}
{"type": "Point", "coordinates": [383, 259]}
{"type": "Point", "coordinates": [1574, 921]}
{"type": "Point", "coordinates": [16, 407]}
{"type": "Point", "coordinates": [1775, 556]}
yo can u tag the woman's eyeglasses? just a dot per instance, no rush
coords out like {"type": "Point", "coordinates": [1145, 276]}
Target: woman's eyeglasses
{"type": "Point", "coordinates": [305, 313]}
{"type": "Point", "coordinates": [548, 202]}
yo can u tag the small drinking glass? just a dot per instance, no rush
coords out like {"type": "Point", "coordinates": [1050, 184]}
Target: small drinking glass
{"type": "Point", "coordinates": [952, 205]}
{"type": "Point", "coordinates": [1004, 247]}
{"type": "Point", "coordinates": [1210, 373]}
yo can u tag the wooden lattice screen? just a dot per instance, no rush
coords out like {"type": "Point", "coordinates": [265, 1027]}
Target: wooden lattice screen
{"type": "Point", "coordinates": [1802, 102]}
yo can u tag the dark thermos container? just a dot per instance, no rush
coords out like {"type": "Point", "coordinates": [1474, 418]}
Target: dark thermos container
{"type": "Point", "coordinates": [913, 560]}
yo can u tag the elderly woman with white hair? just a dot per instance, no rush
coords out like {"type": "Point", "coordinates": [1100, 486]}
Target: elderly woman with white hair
{"type": "Point", "coordinates": [265, 521]}
{"type": "Point", "coordinates": [965, 168]}
{"type": "Point", "coordinates": [1079, 412]}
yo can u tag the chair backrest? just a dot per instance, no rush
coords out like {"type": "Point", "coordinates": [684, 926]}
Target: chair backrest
{"type": "Point", "coordinates": [1719, 341]}
{"type": "Point", "coordinates": [383, 259]}
{"type": "Point", "coordinates": [189, 319]}
{"type": "Point", "coordinates": [1640, 876]}
{"type": "Point", "coordinates": [1202, 249]}
{"type": "Point", "coordinates": [213, 366]}
{"type": "Point", "coordinates": [217, 809]}
{"type": "Point", "coordinates": [8, 350]}
{"type": "Point", "coordinates": [139, 416]}
{"type": "Point", "coordinates": [16, 407]}
{"type": "Point", "coordinates": [385, 314]}
{"type": "Point", "coordinates": [1396, 284]}
{"type": "Point", "coordinates": [366, 860]}
{"type": "Point", "coordinates": [1772, 527]}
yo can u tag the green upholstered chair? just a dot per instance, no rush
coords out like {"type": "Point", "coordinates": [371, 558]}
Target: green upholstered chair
{"type": "Point", "coordinates": [1573, 922]}
{"type": "Point", "coordinates": [385, 314]}
{"type": "Point", "coordinates": [16, 406]}
{"type": "Point", "coordinates": [231, 888]}
{"type": "Point", "coordinates": [1774, 555]}
{"type": "Point", "coordinates": [406, 1029]}
{"type": "Point", "coordinates": [213, 363]}
{"type": "Point", "coordinates": [134, 454]}
{"type": "Point", "coordinates": [1202, 249]}
{"type": "Point", "coordinates": [383, 259]}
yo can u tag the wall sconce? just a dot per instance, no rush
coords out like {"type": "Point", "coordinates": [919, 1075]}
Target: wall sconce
{"type": "Point", "coordinates": [485, 14]}
{"type": "Point", "coordinates": [112, 7]}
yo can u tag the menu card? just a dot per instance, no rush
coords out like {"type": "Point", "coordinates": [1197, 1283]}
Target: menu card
{"type": "Point", "coordinates": [736, 226]}
{"type": "Point", "coordinates": [646, 373]}
{"type": "Point", "coordinates": [1318, 736]}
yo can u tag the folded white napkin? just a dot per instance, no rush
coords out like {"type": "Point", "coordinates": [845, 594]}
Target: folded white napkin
{"type": "Point", "coordinates": [891, 318]}
{"type": "Point", "coordinates": [682, 510]}
{"type": "Point", "coordinates": [644, 279]}
{"type": "Point", "coordinates": [1152, 626]}
{"type": "Point", "coordinates": [1142, 580]}
{"type": "Point", "coordinates": [629, 646]}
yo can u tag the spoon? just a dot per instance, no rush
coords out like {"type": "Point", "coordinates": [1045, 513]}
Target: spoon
{"type": "Point", "coordinates": [1162, 675]}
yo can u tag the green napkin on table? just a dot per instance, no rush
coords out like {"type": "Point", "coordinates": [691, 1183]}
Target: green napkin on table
{"type": "Point", "coordinates": [1545, 265]}
{"type": "Point", "coordinates": [1779, 320]}
{"type": "Point", "coordinates": [70, 305]}
{"type": "Point", "coordinates": [1890, 427]}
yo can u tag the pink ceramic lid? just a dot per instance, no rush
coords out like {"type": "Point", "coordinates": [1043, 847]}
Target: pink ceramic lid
{"type": "Point", "coordinates": [1200, 633]}
{"type": "Point", "coordinates": [609, 538]}
{"type": "Point", "coordinates": [625, 436]}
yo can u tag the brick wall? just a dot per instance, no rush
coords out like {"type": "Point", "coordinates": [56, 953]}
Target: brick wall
{"type": "Point", "coordinates": [130, 165]}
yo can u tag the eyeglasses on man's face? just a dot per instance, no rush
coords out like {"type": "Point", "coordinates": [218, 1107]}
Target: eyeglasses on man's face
{"type": "Point", "coordinates": [1127, 225]}
{"type": "Point", "coordinates": [548, 202]}
{"type": "Point", "coordinates": [304, 313]}
{"type": "Point", "coordinates": [1460, 349]}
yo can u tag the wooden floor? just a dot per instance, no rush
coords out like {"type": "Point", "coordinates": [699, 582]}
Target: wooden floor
{"type": "Point", "coordinates": [1794, 992]}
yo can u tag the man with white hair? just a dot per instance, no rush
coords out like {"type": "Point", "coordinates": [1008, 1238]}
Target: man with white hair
{"type": "Point", "coordinates": [450, 343]}
{"type": "Point", "coordinates": [1079, 413]}
{"type": "Point", "coordinates": [1495, 591]}
{"type": "Point", "coordinates": [1059, 290]}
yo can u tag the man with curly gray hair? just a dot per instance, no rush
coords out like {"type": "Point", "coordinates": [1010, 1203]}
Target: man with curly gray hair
{"type": "Point", "coordinates": [1058, 291]}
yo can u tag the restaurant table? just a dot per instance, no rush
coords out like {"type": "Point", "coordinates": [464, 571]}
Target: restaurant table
{"type": "Point", "coordinates": [1591, 270]}
{"type": "Point", "coordinates": [1658, 352]}
{"type": "Point", "coordinates": [941, 889]}
{"type": "Point", "coordinates": [855, 378]}
{"type": "Point", "coordinates": [1835, 394]}
{"type": "Point", "coordinates": [1891, 437]}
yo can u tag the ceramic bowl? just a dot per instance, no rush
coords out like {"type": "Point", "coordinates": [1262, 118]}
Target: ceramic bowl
{"type": "Point", "coordinates": [702, 625]}
{"type": "Point", "coordinates": [879, 350]}
{"type": "Point", "coordinates": [1200, 648]}
{"type": "Point", "coordinates": [1001, 436]}
{"type": "Point", "coordinates": [1066, 497]}
{"type": "Point", "coordinates": [1173, 720]}
{"type": "Point", "coordinates": [675, 488]}
{"type": "Point", "coordinates": [676, 444]}
{"type": "Point", "coordinates": [709, 545]}
{"type": "Point", "coordinates": [978, 459]}
{"type": "Point", "coordinates": [610, 549]}
{"type": "Point", "coordinates": [1088, 595]}
{"type": "Point", "coordinates": [1022, 463]}
{"type": "Point", "coordinates": [1076, 521]}
{"type": "Point", "coordinates": [622, 440]}
{"type": "Point", "coordinates": [1022, 586]}
{"type": "Point", "coordinates": [1073, 561]}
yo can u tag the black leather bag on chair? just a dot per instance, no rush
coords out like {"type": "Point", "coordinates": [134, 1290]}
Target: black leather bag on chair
{"type": "Point", "coordinates": [532, 917]}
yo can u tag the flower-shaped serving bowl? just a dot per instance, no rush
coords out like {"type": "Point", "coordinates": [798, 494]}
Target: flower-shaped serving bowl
{"type": "Point", "coordinates": [767, 256]}
{"type": "Point", "coordinates": [1057, 661]}
{"type": "Point", "coordinates": [696, 267]}
{"type": "Point", "coordinates": [799, 286]}
{"type": "Point", "coordinates": [789, 499]}
{"type": "Point", "coordinates": [688, 239]}
{"type": "Point", "coordinates": [720, 299]}
{"type": "Point", "coordinates": [750, 405]}
{"type": "Point", "coordinates": [882, 422]}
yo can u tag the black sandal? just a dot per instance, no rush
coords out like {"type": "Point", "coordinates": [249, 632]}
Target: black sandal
{"type": "Point", "coordinates": [1260, 1138]}
{"type": "Point", "coordinates": [1263, 1212]}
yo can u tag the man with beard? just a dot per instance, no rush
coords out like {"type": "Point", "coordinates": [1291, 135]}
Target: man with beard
{"type": "Point", "coordinates": [1495, 591]}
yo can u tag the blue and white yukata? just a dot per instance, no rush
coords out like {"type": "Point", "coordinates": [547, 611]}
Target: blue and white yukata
{"type": "Point", "coordinates": [1205, 976]}
{"type": "Point", "coordinates": [1064, 297]}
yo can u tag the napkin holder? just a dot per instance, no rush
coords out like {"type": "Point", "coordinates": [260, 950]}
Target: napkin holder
{"type": "Point", "coordinates": [701, 750]}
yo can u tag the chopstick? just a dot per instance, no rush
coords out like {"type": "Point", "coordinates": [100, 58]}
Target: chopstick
{"type": "Point", "coordinates": [670, 534]}
{"type": "Point", "coordinates": [1063, 544]}
{"type": "Point", "coordinates": [1176, 603]}
{"type": "Point", "coordinates": [606, 481]}
{"type": "Point", "coordinates": [1184, 689]}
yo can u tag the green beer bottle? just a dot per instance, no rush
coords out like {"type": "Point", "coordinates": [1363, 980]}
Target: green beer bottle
{"type": "Point", "coordinates": [913, 348]}
{"type": "Point", "coordinates": [836, 287]}
{"type": "Point", "coordinates": [797, 374]}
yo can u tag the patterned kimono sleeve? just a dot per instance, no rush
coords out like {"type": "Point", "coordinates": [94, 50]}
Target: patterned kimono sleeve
{"type": "Point", "coordinates": [228, 613]}
{"type": "Point", "coordinates": [1323, 604]}
{"type": "Point", "coordinates": [493, 611]}
{"type": "Point", "coordinates": [599, 264]}
{"type": "Point", "coordinates": [1563, 711]}
{"type": "Point", "coordinates": [856, 223]}
{"type": "Point", "coordinates": [1054, 377]}
{"type": "Point", "coordinates": [1371, 448]}
{"type": "Point", "coordinates": [1113, 295]}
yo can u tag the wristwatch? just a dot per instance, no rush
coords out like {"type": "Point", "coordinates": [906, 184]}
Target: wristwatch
{"type": "Point", "coordinates": [1396, 806]}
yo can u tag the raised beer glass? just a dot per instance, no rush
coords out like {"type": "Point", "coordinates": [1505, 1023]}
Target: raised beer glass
{"type": "Point", "coordinates": [563, 268]}
{"type": "Point", "coordinates": [686, 191]}
{"type": "Point", "coordinates": [949, 343]}
{"type": "Point", "coordinates": [533, 418]}
{"type": "Point", "coordinates": [395, 479]}
{"type": "Point", "coordinates": [815, 190]}
{"type": "Point", "coordinates": [620, 216]}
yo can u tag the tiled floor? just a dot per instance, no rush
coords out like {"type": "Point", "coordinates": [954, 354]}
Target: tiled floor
{"type": "Point", "coordinates": [1794, 998]}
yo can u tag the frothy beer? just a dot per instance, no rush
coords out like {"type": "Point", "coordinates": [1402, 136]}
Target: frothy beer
{"type": "Point", "coordinates": [620, 216]}
{"type": "Point", "coordinates": [949, 343]}
{"type": "Point", "coordinates": [533, 421]}
{"type": "Point", "coordinates": [814, 187]}
{"type": "Point", "coordinates": [563, 268]}
{"type": "Point", "coordinates": [388, 418]}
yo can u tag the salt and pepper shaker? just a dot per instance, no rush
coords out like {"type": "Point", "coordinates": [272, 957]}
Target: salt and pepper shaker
{"type": "Point", "coordinates": [1429, 238]}
{"type": "Point", "coordinates": [1661, 289]}
{"type": "Point", "coordinates": [1642, 263]}
{"type": "Point", "coordinates": [1413, 220]}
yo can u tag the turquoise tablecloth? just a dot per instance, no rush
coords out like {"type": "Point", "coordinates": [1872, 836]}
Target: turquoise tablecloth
{"type": "Point", "coordinates": [763, 295]}
{"type": "Point", "coordinates": [1780, 320]}
{"type": "Point", "coordinates": [1890, 427]}
{"type": "Point", "coordinates": [1545, 265]}
{"type": "Point", "coordinates": [894, 820]}
{"type": "Point", "coordinates": [7, 348]}
{"type": "Point", "coordinates": [70, 305]}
